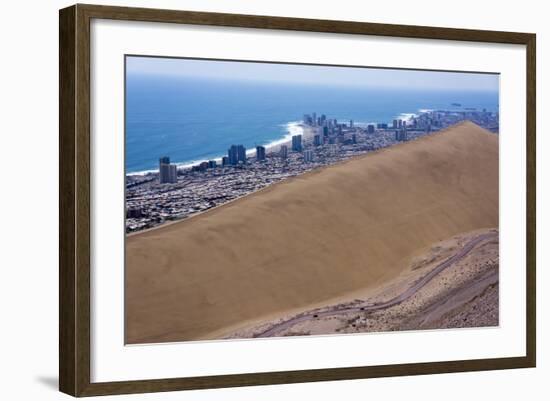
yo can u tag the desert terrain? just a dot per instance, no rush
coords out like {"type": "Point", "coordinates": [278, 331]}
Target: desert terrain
{"type": "Point", "coordinates": [453, 285]}
{"type": "Point", "coordinates": [353, 229]}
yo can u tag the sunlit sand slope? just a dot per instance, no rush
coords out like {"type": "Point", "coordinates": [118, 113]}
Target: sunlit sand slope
{"type": "Point", "coordinates": [309, 239]}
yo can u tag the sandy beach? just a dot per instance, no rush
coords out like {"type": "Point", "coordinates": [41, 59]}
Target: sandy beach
{"type": "Point", "coordinates": [349, 228]}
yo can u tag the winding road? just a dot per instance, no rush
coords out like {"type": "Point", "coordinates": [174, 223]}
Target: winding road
{"type": "Point", "coordinates": [273, 330]}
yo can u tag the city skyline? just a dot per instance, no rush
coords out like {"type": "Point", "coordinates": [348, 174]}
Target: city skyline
{"type": "Point", "coordinates": [324, 141]}
{"type": "Point", "coordinates": [270, 72]}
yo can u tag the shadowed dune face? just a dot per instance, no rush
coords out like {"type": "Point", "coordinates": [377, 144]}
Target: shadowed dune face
{"type": "Point", "coordinates": [306, 240]}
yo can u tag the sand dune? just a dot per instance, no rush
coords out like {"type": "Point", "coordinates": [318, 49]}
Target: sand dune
{"type": "Point", "coordinates": [309, 239]}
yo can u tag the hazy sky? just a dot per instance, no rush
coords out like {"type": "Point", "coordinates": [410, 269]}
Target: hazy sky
{"type": "Point", "coordinates": [316, 75]}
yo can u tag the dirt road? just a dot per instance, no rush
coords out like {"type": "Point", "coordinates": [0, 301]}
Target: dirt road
{"type": "Point", "coordinates": [277, 328]}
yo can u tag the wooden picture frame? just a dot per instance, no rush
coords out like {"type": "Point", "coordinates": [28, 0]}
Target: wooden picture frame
{"type": "Point", "coordinates": [74, 203]}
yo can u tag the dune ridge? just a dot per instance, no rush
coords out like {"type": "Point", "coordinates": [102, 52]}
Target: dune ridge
{"type": "Point", "coordinates": [311, 238]}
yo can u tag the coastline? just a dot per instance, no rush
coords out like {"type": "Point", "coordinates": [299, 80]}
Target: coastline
{"type": "Point", "coordinates": [210, 183]}
{"type": "Point", "coordinates": [264, 189]}
{"type": "Point", "coordinates": [272, 186]}
{"type": "Point", "coordinates": [308, 132]}
{"type": "Point", "coordinates": [292, 128]}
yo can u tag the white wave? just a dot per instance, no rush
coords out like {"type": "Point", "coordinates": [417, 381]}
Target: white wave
{"type": "Point", "coordinates": [292, 128]}
{"type": "Point", "coordinates": [406, 116]}
{"type": "Point", "coordinates": [364, 124]}
{"type": "Point", "coordinates": [144, 172]}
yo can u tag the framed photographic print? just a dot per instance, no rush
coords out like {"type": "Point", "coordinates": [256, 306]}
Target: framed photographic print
{"type": "Point", "coordinates": [251, 200]}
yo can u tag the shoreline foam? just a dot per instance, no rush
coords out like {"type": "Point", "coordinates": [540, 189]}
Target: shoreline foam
{"type": "Point", "coordinates": [292, 128]}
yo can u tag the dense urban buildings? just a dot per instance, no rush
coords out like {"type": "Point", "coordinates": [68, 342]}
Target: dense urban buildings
{"type": "Point", "coordinates": [236, 154]}
{"type": "Point", "coordinates": [171, 194]}
{"type": "Point", "coordinates": [283, 152]}
{"type": "Point", "coordinates": [317, 140]}
{"type": "Point", "coordinates": [297, 143]}
{"type": "Point", "coordinates": [167, 172]}
{"type": "Point", "coordinates": [401, 135]}
{"type": "Point", "coordinates": [260, 153]}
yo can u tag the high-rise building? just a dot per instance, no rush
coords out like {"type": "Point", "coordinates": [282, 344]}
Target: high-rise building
{"type": "Point", "coordinates": [212, 164]}
{"type": "Point", "coordinates": [260, 153]}
{"type": "Point", "coordinates": [308, 156]}
{"type": "Point", "coordinates": [232, 155]}
{"type": "Point", "coordinates": [168, 173]}
{"type": "Point", "coordinates": [297, 143]}
{"type": "Point", "coordinates": [401, 135]}
{"type": "Point", "coordinates": [236, 154]}
{"type": "Point", "coordinates": [225, 161]}
{"type": "Point", "coordinates": [173, 173]}
{"type": "Point", "coordinates": [242, 153]}
{"type": "Point", "coordinates": [351, 123]}
{"type": "Point", "coordinates": [283, 152]}
{"type": "Point", "coordinates": [353, 138]}
{"type": "Point", "coordinates": [370, 128]}
{"type": "Point", "coordinates": [394, 123]}
{"type": "Point", "coordinates": [317, 140]}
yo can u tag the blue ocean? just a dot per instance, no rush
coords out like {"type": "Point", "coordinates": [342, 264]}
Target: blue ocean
{"type": "Point", "coordinates": [192, 120]}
